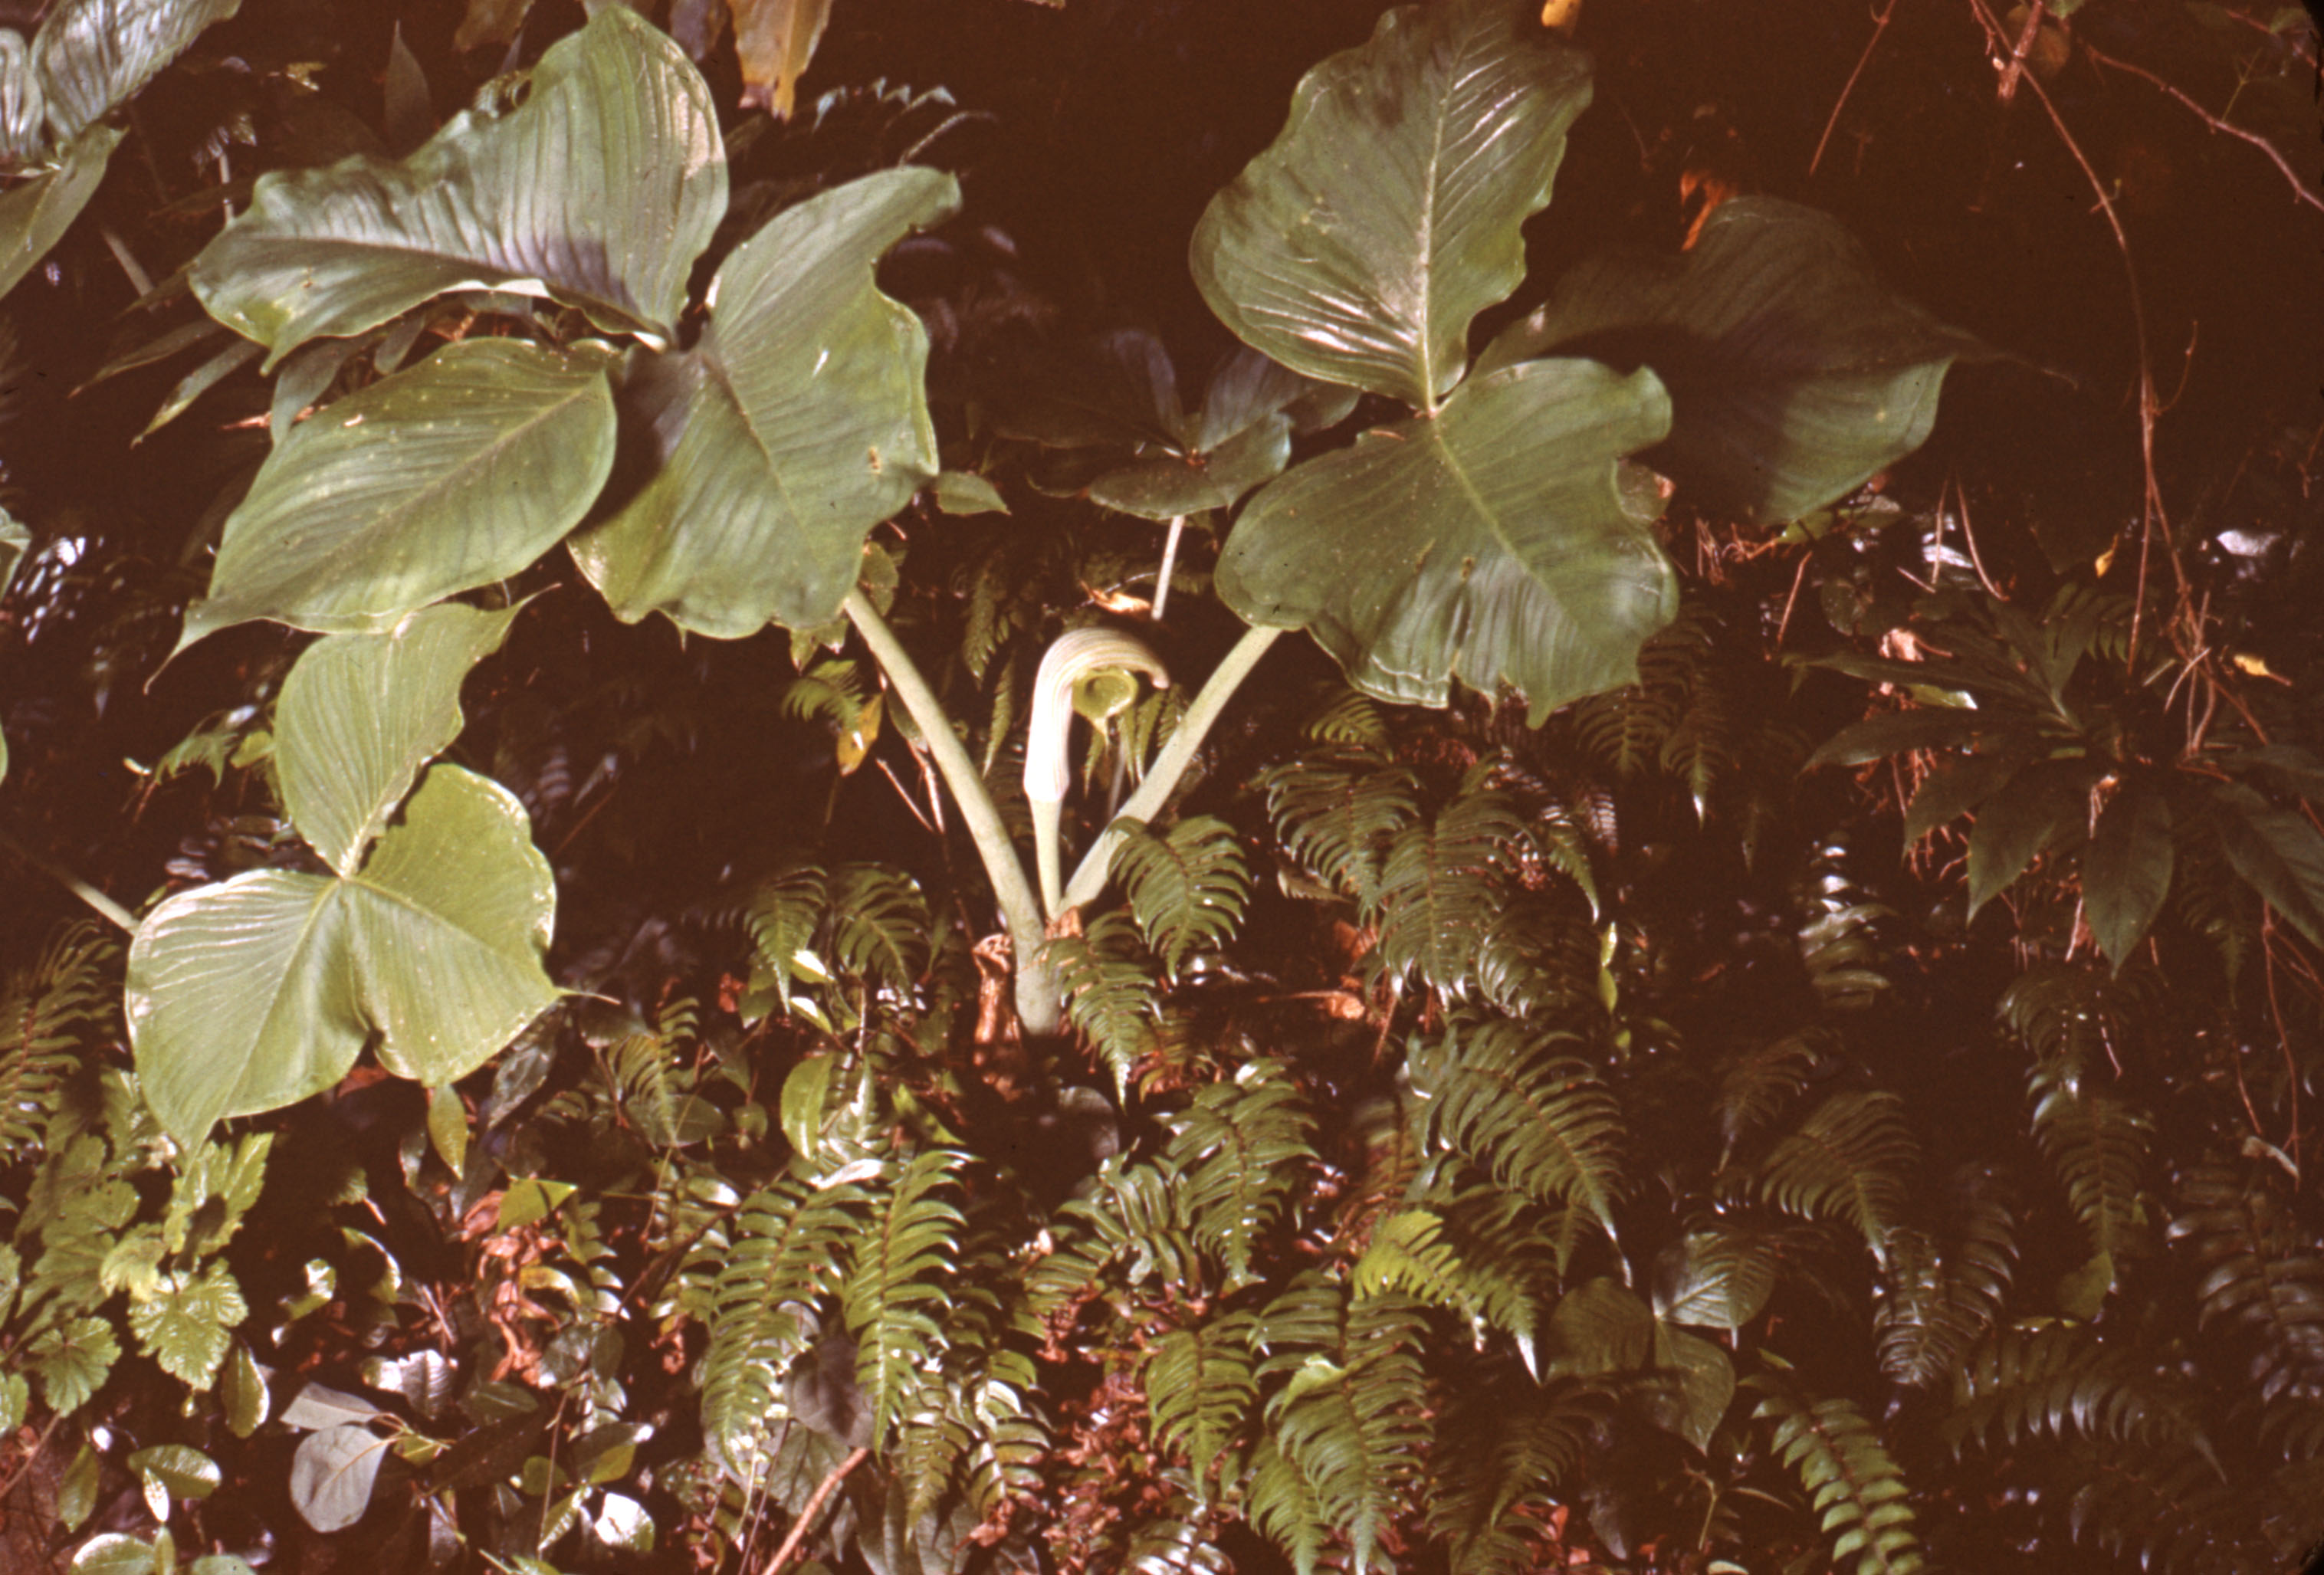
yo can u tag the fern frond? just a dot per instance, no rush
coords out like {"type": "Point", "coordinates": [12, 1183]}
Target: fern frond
{"type": "Point", "coordinates": [1352, 717]}
{"type": "Point", "coordinates": [1939, 1303]}
{"type": "Point", "coordinates": [782, 1259]}
{"type": "Point", "coordinates": [1179, 1543]}
{"type": "Point", "coordinates": [878, 928]}
{"type": "Point", "coordinates": [1416, 1253]}
{"type": "Point", "coordinates": [1352, 1415]}
{"type": "Point", "coordinates": [1539, 962]}
{"type": "Point", "coordinates": [1187, 890]}
{"type": "Point", "coordinates": [1243, 1148]}
{"type": "Point", "coordinates": [2097, 1143]}
{"type": "Point", "coordinates": [1857, 1486]}
{"type": "Point", "coordinates": [2051, 1378]}
{"type": "Point", "coordinates": [1109, 985]}
{"type": "Point", "coordinates": [1442, 888]}
{"type": "Point", "coordinates": [1132, 1213]}
{"type": "Point", "coordinates": [896, 1285]}
{"type": "Point", "coordinates": [1760, 1084]}
{"type": "Point", "coordinates": [1337, 809]}
{"type": "Point", "coordinates": [1201, 1388]}
{"type": "Point", "coordinates": [784, 913]}
{"type": "Point", "coordinates": [1285, 1507]}
{"type": "Point", "coordinates": [2260, 1268]}
{"type": "Point", "coordinates": [1847, 1162]}
{"type": "Point", "coordinates": [2163, 1505]}
{"type": "Point", "coordinates": [1545, 1126]}
{"type": "Point", "coordinates": [52, 1015]}
{"type": "Point", "coordinates": [1501, 1453]}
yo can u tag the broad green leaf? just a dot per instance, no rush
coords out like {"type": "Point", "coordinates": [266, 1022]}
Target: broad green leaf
{"type": "Point", "coordinates": [1954, 788]}
{"type": "Point", "coordinates": [1386, 214]}
{"type": "Point", "coordinates": [2043, 806]}
{"type": "Point", "coordinates": [1492, 542]}
{"type": "Point", "coordinates": [113, 1553]}
{"type": "Point", "coordinates": [795, 425]}
{"type": "Point", "coordinates": [1599, 1327]}
{"type": "Point", "coordinates": [255, 993]}
{"type": "Point", "coordinates": [2277, 853]}
{"type": "Point", "coordinates": [1719, 1279]}
{"type": "Point", "coordinates": [1693, 1406]}
{"type": "Point", "coordinates": [773, 41]}
{"type": "Point", "coordinates": [183, 1326]}
{"type": "Point", "coordinates": [71, 1358]}
{"type": "Point", "coordinates": [1794, 373]}
{"type": "Point", "coordinates": [1895, 732]}
{"type": "Point", "coordinates": [183, 1472]}
{"type": "Point", "coordinates": [1240, 439]}
{"type": "Point", "coordinates": [599, 190]}
{"type": "Point", "coordinates": [961, 491]}
{"type": "Point", "coordinates": [245, 1394]}
{"type": "Point", "coordinates": [35, 214]}
{"type": "Point", "coordinates": [360, 714]}
{"type": "Point", "coordinates": [331, 1476]}
{"type": "Point", "coordinates": [93, 54]}
{"type": "Point", "coordinates": [456, 473]}
{"type": "Point", "coordinates": [2126, 871]}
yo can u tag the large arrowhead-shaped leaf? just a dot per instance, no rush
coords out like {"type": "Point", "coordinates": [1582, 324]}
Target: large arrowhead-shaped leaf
{"type": "Point", "coordinates": [93, 54]}
{"type": "Point", "coordinates": [1359, 246]}
{"type": "Point", "coordinates": [1794, 374]}
{"type": "Point", "coordinates": [1490, 542]}
{"type": "Point", "coordinates": [35, 215]}
{"type": "Point", "coordinates": [255, 993]}
{"type": "Point", "coordinates": [600, 191]}
{"type": "Point", "coordinates": [454, 474]}
{"type": "Point", "coordinates": [360, 713]}
{"type": "Point", "coordinates": [796, 424]}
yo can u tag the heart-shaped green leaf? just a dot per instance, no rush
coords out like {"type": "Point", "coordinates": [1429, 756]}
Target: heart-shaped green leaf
{"type": "Point", "coordinates": [35, 215]}
{"type": "Point", "coordinates": [360, 713]}
{"type": "Point", "coordinates": [1794, 374]}
{"type": "Point", "coordinates": [93, 54]}
{"type": "Point", "coordinates": [1386, 214]}
{"type": "Point", "coordinates": [255, 993]}
{"type": "Point", "coordinates": [600, 190]}
{"type": "Point", "coordinates": [796, 424]}
{"type": "Point", "coordinates": [1492, 542]}
{"type": "Point", "coordinates": [456, 473]}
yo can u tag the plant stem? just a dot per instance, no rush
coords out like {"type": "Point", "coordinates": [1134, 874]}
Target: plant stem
{"type": "Point", "coordinates": [1037, 995]}
{"type": "Point", "coordinates": [106, 907]}
{"type": "Point", "coordinates": [1162, 777]}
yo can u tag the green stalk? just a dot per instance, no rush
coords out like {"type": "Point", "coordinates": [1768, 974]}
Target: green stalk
{"type": "Point", "coordinates": [1038, 996]}
{"type": "Point", "coordinates": [1170, 764]}
{"type": "Point", "coordinates": [104, 906]}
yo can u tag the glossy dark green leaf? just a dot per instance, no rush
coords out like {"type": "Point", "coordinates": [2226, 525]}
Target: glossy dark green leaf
{"type": "Point", "coordinates": [93, 54]}
{"type": "Point", "coordinates": [2276, 852]}
{"type": "Point", "coordinates": [599, 190]}
{"type": "Point", "coordinates": [454, 474]}
{"type": "Point", "coordinates": [795, 425]}
{"type": "Point", "coordinates": [182, 1470]}
{"type": "Point", "coordinates": [35, 214]}
{"type": "Point", "coordinates": [1718, 1278]}
{"type": "Point", "coordinates": [1696, 1402]}
{"type": "Point", "coordinates": [1599, 1326]}
{"type": "Point", "coordinates": [1954, 788]}
{"type": "Point", "coordinates": [2126, 871]}
{"type": "Point", "coordinates": [2044, 806]}
{"type": "Point", "coordinates": [360, 714]}
{"type": "Point", "coordinates": [1358, 247]}
{"type": "Point", "coordinates": [1167, 486]}
{"type": "Point", "coordinates": [1893, 732]}
{"type": "Point", "coordinates": [255, 993]}
{"type": "Point", "coordinates": [1794, 373]}
{"type": "Point", "coordinates": [1492, 542]}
